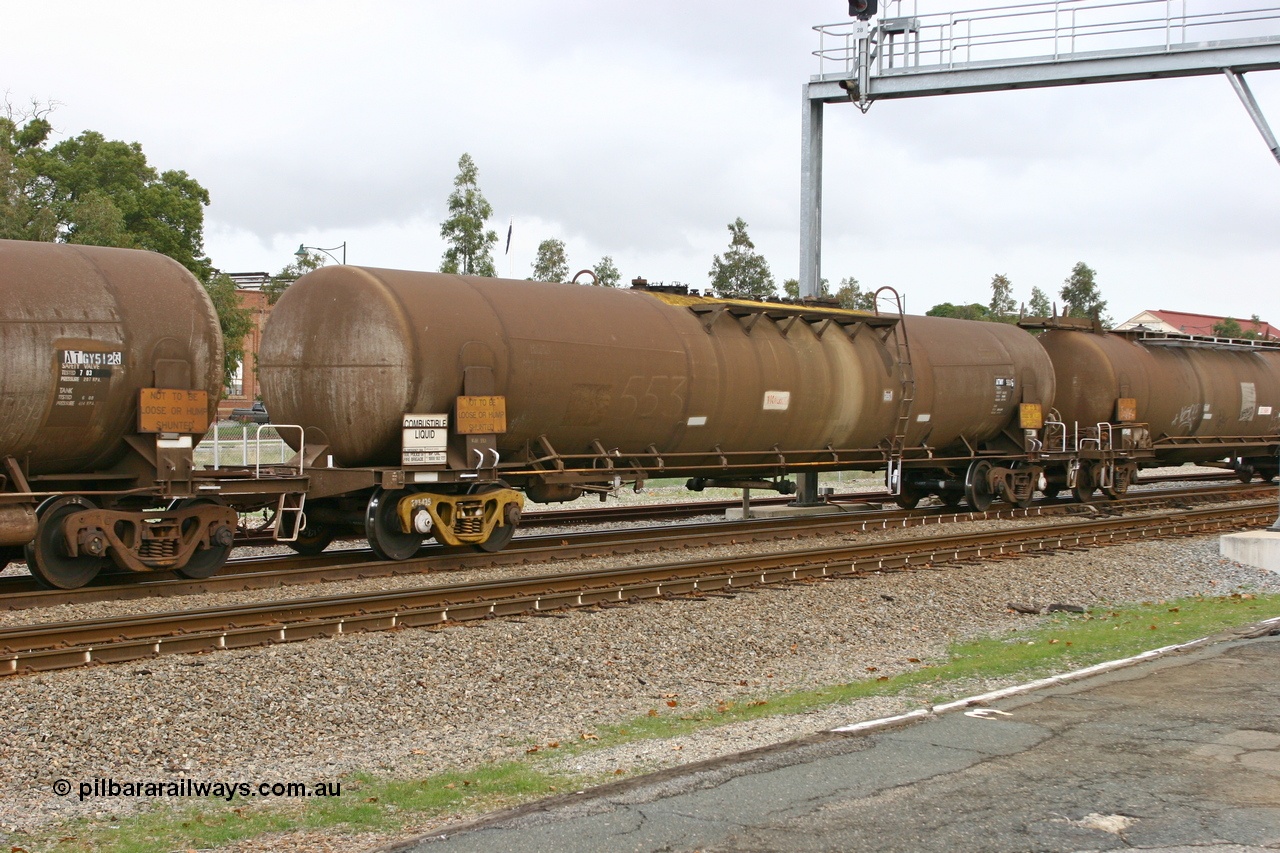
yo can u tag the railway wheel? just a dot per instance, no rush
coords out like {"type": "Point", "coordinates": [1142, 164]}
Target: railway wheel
{"type": "Point", "coordinates": [1009, 496]}
{"type": "Point", "coordinates": [909, 498]}
{"type": "Point", "coordinates": [312, 538]}
{"type": "Point", "coordinates": [1119, 486]}
{"type": "Point", "coordinates": [502, 534]}
{"type": "Point", "coordinates": [206, 562]}
{"type": "Point", "coordinates": [1085, 485]}
{"type": "Point", "coordinates": [499, 539]}
{"type": "Point", "coordinates": [977, 491]}
{"type": "Point", "coordinates": [50, 562]}
{"type": "Point", "coordinates": [382, 526]}
{"type": "Point", "coordinates": [1244, 473]}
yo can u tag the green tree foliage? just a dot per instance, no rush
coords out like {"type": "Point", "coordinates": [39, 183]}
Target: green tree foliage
{"type": "Point", "coordinates": [235, 321]}
{"type": "Point", "coordinates": [607, 274]}
{"type": "Point", "coordinates": [1228, 327]}
{"type": "Point", "coordinates": [22, 139]}
{"type": "Point", "coordinates": [95, 191]}
{"type": "Point", "coordinates": [791, 288]}
{"type": "Point", "coordinates": [1081, 297]}
{"type": "Point", "coordinates": [851, 295]}
{"type": "Point", "coordinates": [301, 265]}
{"type": "Point", "coordinates": [551, 263]}
{"type": "Point", "coordinates": [470, 249]}
{"type": "Point", "coordinates": [1003, 306]}
{"type": "Point", "coordinates": [1039, 305]}
{"type": "Point", "coordinates": [972, 311]}
{"type": "Point", "coordinates": [741, 273]}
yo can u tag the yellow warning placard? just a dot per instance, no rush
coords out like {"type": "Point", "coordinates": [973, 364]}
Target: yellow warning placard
{"type": "Point", "coordinates": [481, 415]}
{"type": "Point", "coordinates": [1127, 410]}
{"type": "Point", "coordinates": [173, 410]}
{"type": "Point", "coordinates": [1030, 416]}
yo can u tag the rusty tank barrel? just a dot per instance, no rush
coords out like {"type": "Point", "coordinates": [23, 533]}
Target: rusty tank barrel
{"type": "Point", "coordinates": [349, 350]}
{"type": "Point", "coordinates": [1180, 389]}
{"type": "Point", "coordinates": [83, 329]}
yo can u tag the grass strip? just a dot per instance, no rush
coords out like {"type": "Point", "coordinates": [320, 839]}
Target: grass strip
{"type": "Point", "coordinates": [1050, 644]}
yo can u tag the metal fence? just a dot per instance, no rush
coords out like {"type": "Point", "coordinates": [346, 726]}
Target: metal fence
{"type": "Point", "coordinates": [904, 40]}
{"type": "Point", "coordinates": [228, 444]}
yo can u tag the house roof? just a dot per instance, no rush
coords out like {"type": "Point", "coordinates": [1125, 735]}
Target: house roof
{"type": "Point", "coordinates": [1197, 324]}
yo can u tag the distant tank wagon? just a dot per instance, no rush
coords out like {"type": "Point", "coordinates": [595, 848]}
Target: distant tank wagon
{"type": "Point", "coordinates": [1182, 398]}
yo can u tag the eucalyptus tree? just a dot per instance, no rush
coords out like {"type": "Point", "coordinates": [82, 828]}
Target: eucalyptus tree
{"type": "Point", "coordinates": [470, 250]}
{"type": "Point", "coordinates": [741, 272]}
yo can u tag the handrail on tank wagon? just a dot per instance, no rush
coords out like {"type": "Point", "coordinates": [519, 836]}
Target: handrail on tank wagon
{"type": "Point", "coordinates": [301, 455]}
{"type": "Point", "coordinates": [1049, 430]}
{"type": "Point", "coordinates": [1105, 428]}
{"type": "Point", "coordinates": [1148, 337]}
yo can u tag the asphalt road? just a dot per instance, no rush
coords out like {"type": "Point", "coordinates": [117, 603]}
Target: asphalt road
{"type": "Point", "coordinates": [1174, 754]}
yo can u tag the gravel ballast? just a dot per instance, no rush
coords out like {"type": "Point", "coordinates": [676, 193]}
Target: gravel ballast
{"type": "Point", "coordinates": [412, 702]}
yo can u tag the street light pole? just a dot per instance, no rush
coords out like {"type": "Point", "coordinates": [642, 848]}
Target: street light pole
{"type": "Point", "coordinates": [302, 252]}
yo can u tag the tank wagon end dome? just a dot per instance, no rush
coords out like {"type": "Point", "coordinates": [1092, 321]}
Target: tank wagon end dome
{"type": "Point", "coordinates": [138, 319]}
{"type": "Point", "coordinates": [338, 357]}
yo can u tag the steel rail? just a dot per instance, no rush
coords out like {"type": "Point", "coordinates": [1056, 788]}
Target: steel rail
{"type": "Point", "coordinates": [611, 513]}
{"type": "Point", "coordinates": [65, 645]}
{"type": "Point", "coordinates": [267, 572]}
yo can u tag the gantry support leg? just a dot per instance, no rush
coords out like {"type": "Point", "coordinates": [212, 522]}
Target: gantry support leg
{"type": "Point", "coordinates": [811, 197]}
{"type": "Point", "coordinates": [1251, 106]}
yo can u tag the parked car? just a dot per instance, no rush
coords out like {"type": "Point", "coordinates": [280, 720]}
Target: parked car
{"type": "Point", "coordinates": [255, 414]}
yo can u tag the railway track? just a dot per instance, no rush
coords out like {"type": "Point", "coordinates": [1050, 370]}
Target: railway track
{"type": "Point", "coordinates": [619, 513]}
{"type": "Point", "coordinates": [354, 564]}
{"type": "Point", "coordinates": [65, 645]}
{"type": "Point", "coordinates": [272, 571]}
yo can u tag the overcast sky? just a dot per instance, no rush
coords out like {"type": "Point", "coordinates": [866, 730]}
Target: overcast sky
{"type": "Point", "coordinates": [639, 130]}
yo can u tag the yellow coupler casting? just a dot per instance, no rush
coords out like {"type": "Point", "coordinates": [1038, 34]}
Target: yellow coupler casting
{"type": "Point", "coordinates": [460, 519]}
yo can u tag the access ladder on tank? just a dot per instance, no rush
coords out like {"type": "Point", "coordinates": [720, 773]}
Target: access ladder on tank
{"type": "Point", "coordinates": [906, 396]}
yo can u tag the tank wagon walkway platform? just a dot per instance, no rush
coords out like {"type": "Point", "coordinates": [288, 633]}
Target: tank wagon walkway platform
{"type": "Point", "coordinates": [1173, 753]}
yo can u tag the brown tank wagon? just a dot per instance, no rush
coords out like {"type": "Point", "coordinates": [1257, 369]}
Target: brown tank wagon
{"type": "Point", "coordinates": [1156, 398]}
{"type": "Point", "coordinates": [112, 370]}
{"type": "Point", "coordinates": [555, 389]}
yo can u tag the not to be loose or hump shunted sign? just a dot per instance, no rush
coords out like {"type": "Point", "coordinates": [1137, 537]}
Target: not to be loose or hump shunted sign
{"type": "Point", "coordinates": [482, 415]}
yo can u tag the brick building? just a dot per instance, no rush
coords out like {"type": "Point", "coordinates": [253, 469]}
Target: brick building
{"type": "Point", "coordinates": [243, 389]}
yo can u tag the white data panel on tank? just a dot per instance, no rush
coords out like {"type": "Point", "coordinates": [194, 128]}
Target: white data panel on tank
{"type": "Point", "coordinates": [424, 439]}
